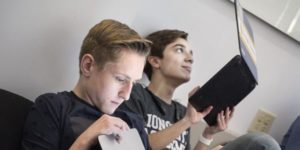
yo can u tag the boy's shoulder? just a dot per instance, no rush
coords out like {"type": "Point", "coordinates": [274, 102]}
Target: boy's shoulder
{"type": "Point", "coordinates": [54, 99]}
{"type": "Point", "coordinates": [181, 109]}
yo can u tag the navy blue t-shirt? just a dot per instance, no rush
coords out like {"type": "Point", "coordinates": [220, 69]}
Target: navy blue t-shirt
{"type": "Point", "coordinates": [56, 120]}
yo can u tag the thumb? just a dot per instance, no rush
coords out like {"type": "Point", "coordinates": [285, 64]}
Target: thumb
{"type": "Point", "coordinates": [194, 91]}
{"type": "Point", "coordinates": [207, 110]}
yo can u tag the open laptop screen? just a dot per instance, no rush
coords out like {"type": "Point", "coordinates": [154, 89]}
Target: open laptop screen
{"type": "Point", "coordinates": [246, 40]}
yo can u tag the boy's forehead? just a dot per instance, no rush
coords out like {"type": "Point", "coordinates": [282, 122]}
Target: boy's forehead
{"type": "Point", "coordinates": [179, 42]}
{"type": "Point", "coordinates": [129, 64]}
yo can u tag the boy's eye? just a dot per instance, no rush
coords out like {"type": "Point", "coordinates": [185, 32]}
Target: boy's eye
{"type": "Point", "coordinates": [120, 79]}
{"type": "Point", "coordinates": [180, 50]}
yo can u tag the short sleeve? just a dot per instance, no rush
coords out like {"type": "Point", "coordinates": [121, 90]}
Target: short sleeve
{"type": "Point", "coordinates": [41, 130]}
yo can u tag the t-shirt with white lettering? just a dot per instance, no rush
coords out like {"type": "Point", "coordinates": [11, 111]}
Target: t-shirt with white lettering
{"type": "Point", "coordinates": [157, 114]}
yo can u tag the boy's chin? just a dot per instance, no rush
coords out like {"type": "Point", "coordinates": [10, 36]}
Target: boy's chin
{"type": "Point", "coordinates": [109, 111]}
{"type": "Point", "coordinates": [186, 79]}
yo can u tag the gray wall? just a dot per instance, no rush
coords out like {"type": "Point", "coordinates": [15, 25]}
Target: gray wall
{"type": "Point", "coordinates": [40, 42]}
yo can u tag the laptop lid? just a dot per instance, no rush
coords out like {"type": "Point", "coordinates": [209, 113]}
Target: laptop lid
{"type": "Point", "coordinates": [246, 40]}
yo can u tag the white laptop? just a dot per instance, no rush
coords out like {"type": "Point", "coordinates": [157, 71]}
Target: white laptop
{"type": "Point", "coordinates": [130, 140]}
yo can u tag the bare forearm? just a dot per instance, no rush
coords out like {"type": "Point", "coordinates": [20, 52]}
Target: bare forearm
{"type": "Point", "coordinates": [200, 146]}
{"type": "Point", "coordinates": [205, 138]}
{"type": "Point", "coordinates": [79, 146]}
{"type": "Point", "coordinates": [81, 143]}
{"type": "Point", "coordinates": [161, 139]}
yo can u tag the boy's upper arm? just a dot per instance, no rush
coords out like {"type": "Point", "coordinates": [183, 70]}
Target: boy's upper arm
{"type": "Point", "coordinates": [41, 130]}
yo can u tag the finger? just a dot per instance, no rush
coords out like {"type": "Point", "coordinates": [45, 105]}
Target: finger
{"type": "Point", "coordinates": [227, 115]}
{"type": "Point", "coordinates": [222, 116]}
{"type": "Point", "coordinates": [117, 126]}
{"type": "Point", "coordinates": [117, 133]}
{"type": "Point", "coordinates": [126, 127]}
{"type": "Point", "coordinates": [116, 130]}
{"type": "Point", "coordinates": [206, 111]}
{"type": "Point", "coordinates": [232, 112]}
{"type": "Point", "coordinates": [220, 122]}
{"type": "Point", "coordinates": [190, 108]}
{"type": "Point", "coordinates": [118, 138]}
{"type": "Point", "coordinates": [224, 120]}
{"type": "Point", "coordinates": [123, 126]}
{"type": "Point", "coordinates": [193, 91]}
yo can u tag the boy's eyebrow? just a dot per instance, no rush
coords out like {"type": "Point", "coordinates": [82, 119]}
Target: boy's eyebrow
{"type": "Point", "coordinates": [181, 45]}
{"type": "Point", "coordinates": [127, 77]}
{"type": "Point", "coordinates": [178, 45]}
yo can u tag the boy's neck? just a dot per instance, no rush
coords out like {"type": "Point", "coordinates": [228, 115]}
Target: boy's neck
{"type": "Point", "coordinates": [162, 89]}
{"type": "Point", "coordinates": [81, 93]}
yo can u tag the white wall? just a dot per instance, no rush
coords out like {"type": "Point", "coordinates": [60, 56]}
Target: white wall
{"type": "Point", "coordinates": [40, 43]}
{"type": "Point", "coordinates": [40, 40]}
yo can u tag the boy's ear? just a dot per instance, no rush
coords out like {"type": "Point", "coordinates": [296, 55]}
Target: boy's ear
{"type": "Point", "coordinates": [154, 61]}
{"type": "Point", "coordinates": [87, 64]}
